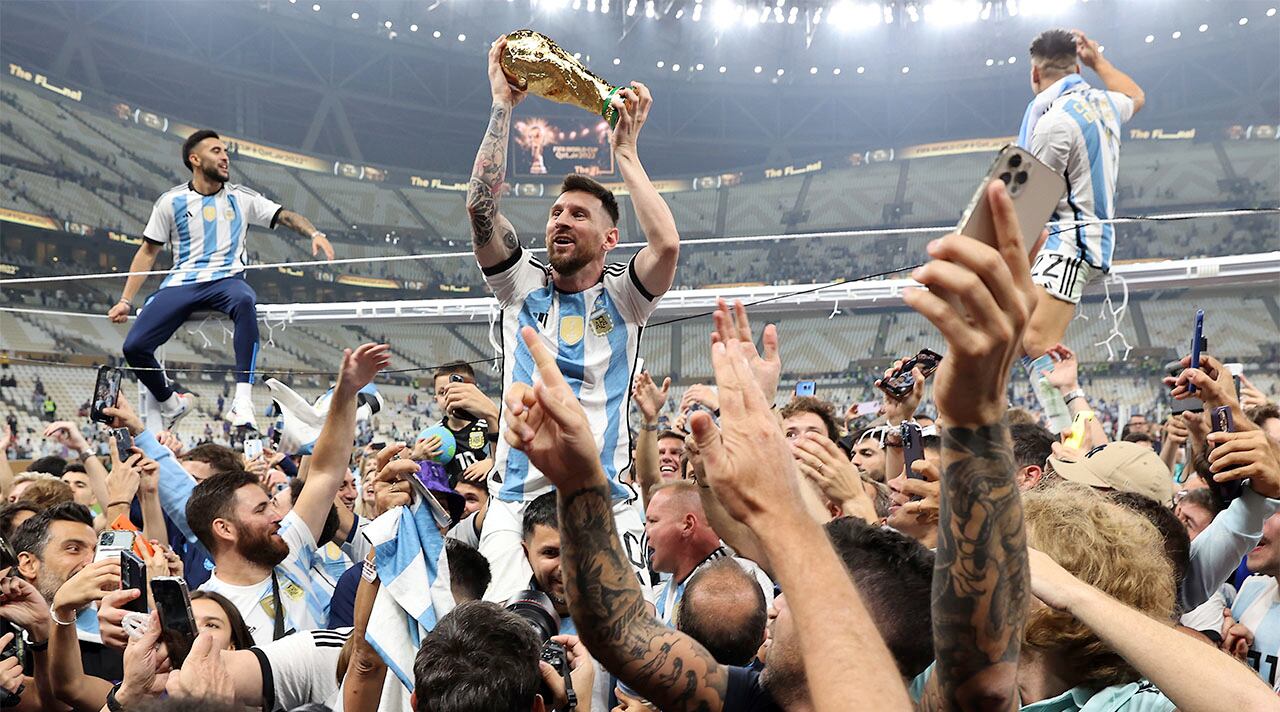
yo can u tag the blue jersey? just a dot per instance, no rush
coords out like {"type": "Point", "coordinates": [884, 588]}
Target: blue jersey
{"type": "Point", "coordinates": [1257, 607]}
{"type": "Point", "coordinates": [207, 232]}
{"type": "Point", "coordinates": [595, 335]}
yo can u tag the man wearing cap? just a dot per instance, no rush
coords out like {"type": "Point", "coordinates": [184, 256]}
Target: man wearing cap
{"type": "Point", "coordinates": [1215, 553]}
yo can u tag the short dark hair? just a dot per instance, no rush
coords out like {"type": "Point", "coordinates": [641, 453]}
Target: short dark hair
{"type": "Point", "coordinates": [10, 511]}
{"type": "Point", "coordinates": [33, 536]}
{"type": "Point", "coordinates": [194, 140]}
{"type": "Point", "coordinates": [1260, 414]}
{"type": "Point", "coordinates": [540, 511]}
{"type": "Point", "coordinates": [51, 465]}
{"type": "Point", "coordinates": [894, 576]}
{"type": "Point", "coordinates": [215, 498]}
{"type": "Point", "coordinates": [1136, 437]}
{"type": "Point", "coordinates": [1177, 543]}
{"type": "Point", "coordinates": [219, 458]}
{"type": "Point", "coordinates": [74, 467]}
{"type": "Point", "coordinates": [241, 638]}
{"type": "Point", "coordinates": [479, 658]}
{"type": "Point", "coordinates": [1032, 444]}
{"type": "Point", "coordinates": [468, 569]}
{"type": "Point", "coordinates": [731, 639]}
{"type": "Point", "coordinates": [455, 367]}
{"type": "Point", "coordinates": [1054, 50]}
{"type": "Point", "coordinates": [1203, 498]}
{"type": "Point", "coordinates": [817, 406]}
{"type": "Point", "coordinates": [573, 181]}
{"type": "Point", "coordinates": [931, 442]}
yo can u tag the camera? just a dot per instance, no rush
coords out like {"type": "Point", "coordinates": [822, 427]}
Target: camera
{"type": "Point", "coordinates": [536, 609]}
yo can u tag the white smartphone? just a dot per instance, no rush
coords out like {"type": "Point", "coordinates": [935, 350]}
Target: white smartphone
{"type": "Point", "coordinates": [1034, 187]}
{"type": "Point", "coordinates": [113, 541]}
{"type": "Point", "coordinates": [252, 448]}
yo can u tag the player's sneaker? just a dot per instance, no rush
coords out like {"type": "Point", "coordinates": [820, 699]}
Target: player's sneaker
{"type": "Point", "coordinates": [240, 414]}
{"type": "Point", "coordinates": [171, 414]}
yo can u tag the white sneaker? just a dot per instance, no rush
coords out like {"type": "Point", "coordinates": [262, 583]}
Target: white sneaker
{"type": "Point", "coordinates": [240, 414]}
{"type": "Point", "coordinates": [171, 415]}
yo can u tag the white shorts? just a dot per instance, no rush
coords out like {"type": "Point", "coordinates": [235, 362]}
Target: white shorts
{"type": "Point", "coordinates": [1064, 276]}
{"type": "Point", "coordinates": [501, 544]}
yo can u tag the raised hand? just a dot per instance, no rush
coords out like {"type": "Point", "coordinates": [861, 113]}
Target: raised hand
{"type": "Point", "coordinates": [649, 397]}
{"type": "Point", "coordinates": [1236, 637]}
{"type": "Point", "coordinates": [469, 398]}
{"type": "Point", "coordinates": [124, 416]}
{"type": "Point", "coordinates": [766, 369]}
{"type": "Point", "coordinates": [500, 86]}
{"type": "Point", "coordinates": [88, 585]}
{"type": "Point", "coordinates": [203, 674]}
{"type": "Point", "coordinates": [632, 104]}
{"type": "Point", "coordinates": [360, 366]}
{"type": "Point", "coordinates": [980, 298]}
{"type": "Point", "coordinates": [22, 605]}
{"type": "Point", "coordinates": [1087, 50]}
{"type": "Point", "coordinates": [895, 409]}
{"type": "Point", "coordinates": [10, 668]}
{"type": "Point", "coordinates": [390, 486]}
{"type": "Point", "coordinates": [125, 477]}
{"type": "Point", "coordinates": [1250, 396]}
{"type": "Point", "coordinates": [320, 243]}
{"type": "Point", "coordinates": [1065, 373]}
{"type": "Point", "coordinates": [1248, 454]}
{"type": "Point", "coordinates": [547, 423]}
{"type": "Point", "coordinates": [65, 433]}
{"type": "Point", "coordinates": [822, 462]}
{"type": "Point", "coordinates": [1212, 381]}
{"type": "Point", "coordinates": [111, 613]}
{"type": "Point", "coordinates": [747, 460]}
{"type": "Point", "coordinates": [142, 660]}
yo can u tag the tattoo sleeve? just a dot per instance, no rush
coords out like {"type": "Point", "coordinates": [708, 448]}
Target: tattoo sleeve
{"type": "Point", "coordinates": [666, 666]}
{"type": "Point", "coordinates": [487, 176]}
{"type": "Point", "coordinates": [981, 578]}
{"type": "Point", "coordinates": [297, 222]}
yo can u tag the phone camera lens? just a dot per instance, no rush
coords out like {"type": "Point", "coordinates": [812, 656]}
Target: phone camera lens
{"type": "Point", "coordinates": [1015, 160]}
{"type": "Point", "coordinates": [1006, 177]}
{"type": "Point", "coordinates": [1020, 177]}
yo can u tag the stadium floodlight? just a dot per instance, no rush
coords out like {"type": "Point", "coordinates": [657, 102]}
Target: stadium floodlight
{"type": "Point", "coordinates": [462, 38]}
{"type": "Point", "coordinates": [952, 12]}
{"type": "Point", "coordinates": [1177, 35]}
{"type": "Point", "coordinates": [617, 61]}
{"type": "Point", "coordinates": [413, 28]}
{"type": "Point", "coordinates": [1244, 21]}
{"type": "Point", "coordinates": [1013, 59]}
{"type": "Point", "coordinates": [679, 13]}
{"type": "Point", "coordinates": [387, 24]}
{"type": "Point", "coordinates": [355, 16]}
{"type": "Point", "coordinates": [862, 70]}
{"type": "Point", "coordinates": [577, 4]}
{"type": "Point", "coordinates": [1203, 28]}
{"type": "Point", "coordinates": [791, 15]}
{"type": "Point", "coordinates": [781, 72]}
{"type": "Point", "coordinates": [675, 67]}
{"type": "Point", "coordinates": [697, 12]}
{"type": "Point", "coordinates": [813, 70]}
{"type": "Point", "coordinates": [725, 13]}
{"type": "Point", "coordinates": [905, 70]}
{"type": "Point", "coordinates": [1271, 12]}
{"type": "Point", "coordinates": [650, 11]}
{"type": "Point", "coordinates": [849, 16]}
{"type": "Point", "coordinates": [436, 34]}
{"type": "Point", "coordinates": [315, 8]}
{"type": "Point", "coordinates": [1149, 39]}
{"type": "Point", "coordinates": [758, 69]}
{"type": "Point", "coordinates": [604, 7]}
{"type": "Point", "coordinates": [836, 71]}
{"type": "Point", "coordinates": [723, 69]}
{"type": "Point", "coordinates": [750, 16]}
{"type": "Point", "coordinates": [699, 66]}
{"type": "Point", "coordinates": [990, 61]}
{"type": "Point", "coordinates": [661, 64]}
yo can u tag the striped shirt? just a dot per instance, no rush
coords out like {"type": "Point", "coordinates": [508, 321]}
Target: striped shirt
{"type": "Point", "coordinates": [1079, 137]}
{"type": "Point", "coordinates": [1257, 607]}
{"type": "Point", "coordinates": [304, 593]}
{"type": "Point", "coordinates": [595, 335]}
{"type": "Point", "coordinates": [668, 603]}
{"type": "Point", "coordinates": [207, 232]}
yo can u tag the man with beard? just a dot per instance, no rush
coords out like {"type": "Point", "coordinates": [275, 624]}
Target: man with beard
{"type": "Point", "coordinates": [206, 221]}
{"type": "Point", "coordinates": [52, 547]}
{"type": "Point", "coordinates": [589, 314]}
{"type": "Point", "coordinates": [263, 563]}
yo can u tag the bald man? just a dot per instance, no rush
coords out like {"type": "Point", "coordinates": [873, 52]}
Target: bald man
{"type": "Point", "coordinates": [724, 609]}
{"type": "Point", "coordinates": [681, 542]}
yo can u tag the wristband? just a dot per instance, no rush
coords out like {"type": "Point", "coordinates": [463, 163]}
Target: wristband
{"type": "Point", "coordinates": [54, 615]}
{"type": "Point", "coordinates": [649, 428]}
{"type": "Point", "coordinates": [126, 302]}
{"type": "Point", "coordinates": [369, 572]}
{"type": "Point", "coordinates": [316, 234]}
{"type": "Point", "coordinates": [1077, 393]}
{"type": "Point", "coordinates": [118, 503]}
{"type": "Point", "coordinates": [112, 703]}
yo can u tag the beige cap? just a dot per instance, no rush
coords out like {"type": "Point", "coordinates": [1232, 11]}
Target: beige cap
{"type": "Point", "coordinates": [1120, 466]}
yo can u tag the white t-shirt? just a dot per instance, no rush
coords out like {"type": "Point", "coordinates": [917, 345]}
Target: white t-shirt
{"type": "Point", "coordinates": [207, 232]}
{"type": "Point", "coordinates": [595, 335]}
{"type": "Point", "coordinates": [301, 668]}
{"type": "Point", "coordinates": [305, 594]}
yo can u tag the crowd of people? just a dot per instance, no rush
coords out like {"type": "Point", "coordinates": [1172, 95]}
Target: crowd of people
{"type": "Point", "coordinates": [589, 543]}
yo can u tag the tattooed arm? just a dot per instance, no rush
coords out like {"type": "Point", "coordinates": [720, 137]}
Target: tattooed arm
{"type": "Point", "coordinates": [490, 170]}
{"type": "Point", "coordinates": [980, 579]}
{"type": "Point", "coordinates": [980, 298]}
{"type": "Point", "coordinates": [301, 225]}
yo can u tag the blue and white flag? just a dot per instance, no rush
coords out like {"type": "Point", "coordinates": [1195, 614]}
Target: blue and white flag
{"type": "Point", "coordinates": [410, 554]}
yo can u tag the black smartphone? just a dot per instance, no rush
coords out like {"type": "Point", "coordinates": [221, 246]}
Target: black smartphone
{"type": "Point", "coordinates": [1220, 421]}
{"type": "Point", "coordinates": [133, 574]}
{"type": "Point", "coordinates": [124, 442]}
{"type": "Point", "coordinates": [106, 390]}
{"type": "Point", "coordinates": [177, 623]}
{"type": "Point", "coordinates": [901, 382]}
{"type": "Point", "coordinates": [912, 448]}
{"type": "Point", "coordinates": [459, 413]}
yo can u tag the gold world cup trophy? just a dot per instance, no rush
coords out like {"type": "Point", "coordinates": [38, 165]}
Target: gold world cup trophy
{"type": "Point", "coordinates": [535, 63]}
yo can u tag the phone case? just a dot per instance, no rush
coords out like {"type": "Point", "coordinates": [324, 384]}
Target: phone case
{"type": "Point", "coordinates": [1034, 187]}
{"type": "Point", "coordinates": [106, 389]}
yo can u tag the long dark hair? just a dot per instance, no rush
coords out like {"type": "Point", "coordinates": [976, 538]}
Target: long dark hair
{"type": "Point", "coordinates": [240, 636]}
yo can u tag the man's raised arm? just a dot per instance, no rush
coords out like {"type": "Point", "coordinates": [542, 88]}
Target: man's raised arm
{"type": "Point", "coordinates": [490, 170]}
{"type": "Point", "coordinates": [656, 262]}
{"type": "Point", "coordinates": [666, 666]}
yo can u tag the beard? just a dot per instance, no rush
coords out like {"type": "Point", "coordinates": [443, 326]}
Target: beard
{"type": "Point", "coordinates": [570, 264]}
{"type": "Point", "coordinates": [263, 549]}
{"type": "Point", "coordinates": [212, 173]}
{"type": "Point", "coordinates": [783, 675]}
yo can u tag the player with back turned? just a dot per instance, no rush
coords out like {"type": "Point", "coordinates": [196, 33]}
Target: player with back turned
{"type": "Point", "coordinates": [1075, 130]}
{"type": "Point", "coordinates": [205, 222]}
{"type": "Point", "coordinates": [586, 312]}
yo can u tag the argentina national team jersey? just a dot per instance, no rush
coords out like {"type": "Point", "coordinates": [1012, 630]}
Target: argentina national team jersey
{"type": "Point", "coordinates": [207, 232]}
{"type": "Point", "coordinates": [1079, 138]}
{"type": "Point", "coordinates": [595, 335]}
{"type": "Point", "coordinates": [1257, 607]}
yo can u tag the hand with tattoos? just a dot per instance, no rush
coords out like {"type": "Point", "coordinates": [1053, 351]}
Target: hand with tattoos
{"type": "Point", "coordinates": [980, 298]}
{"type": "Point", "coordinates": [490, 169]}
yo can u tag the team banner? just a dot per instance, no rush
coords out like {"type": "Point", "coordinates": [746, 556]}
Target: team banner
{"type": "Point", "coordinates": [951, 148]}
{"type": "Point", "coordinates": [22, 218]}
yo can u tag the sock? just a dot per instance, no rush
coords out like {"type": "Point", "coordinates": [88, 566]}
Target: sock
{"type": "Point", "coordinates": [172, 403]}
{"type": "Point", "coordinates": [244, 391]}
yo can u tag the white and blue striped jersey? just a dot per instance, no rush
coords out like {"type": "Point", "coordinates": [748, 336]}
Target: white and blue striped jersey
{"type": "Point", "coordinates": [1079, 137]}
{"type": "Point", "coordinates": [1257, 607]}
{"type": "Point", "coordinates": [595, 335]}
{"type": "Point", "coordinates": [207, 232]}
{"type": "Point", "coordinates": [304, 592]}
